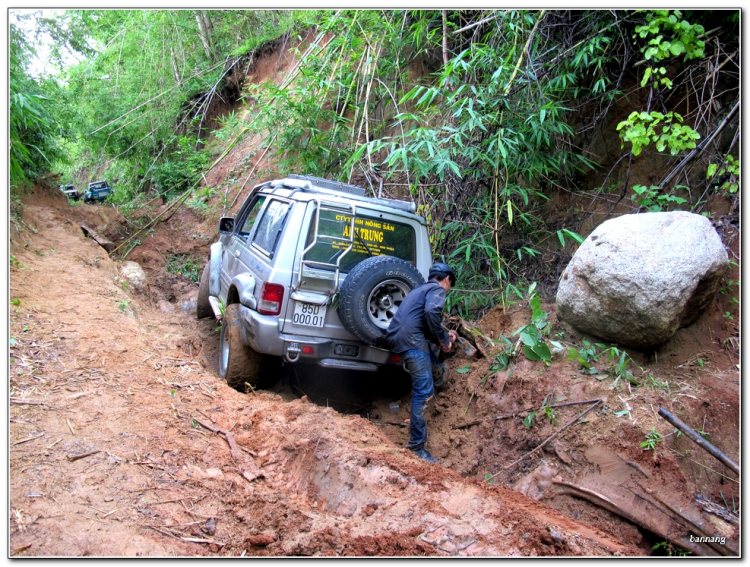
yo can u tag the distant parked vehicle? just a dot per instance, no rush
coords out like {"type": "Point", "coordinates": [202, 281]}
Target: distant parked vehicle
{"type": "Point", "coordinates": [70, 191]}
{"type": "Point", "coordinates": [97, 191]}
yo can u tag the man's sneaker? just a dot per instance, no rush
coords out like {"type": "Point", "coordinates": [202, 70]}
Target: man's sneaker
{"type": "Point", "coordinates": [424, 454]}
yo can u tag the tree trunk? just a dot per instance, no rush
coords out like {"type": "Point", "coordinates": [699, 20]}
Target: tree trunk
{"type": "Point", "coordinates": [174, 66]}
{"type": "Point", "coordinates": [445, 37]}
{"type": "Point", "coordinates": [204, 32]}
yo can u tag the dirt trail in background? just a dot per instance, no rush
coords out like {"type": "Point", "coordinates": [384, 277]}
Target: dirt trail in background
{"type": "Point", "coordinates": [108, 458]}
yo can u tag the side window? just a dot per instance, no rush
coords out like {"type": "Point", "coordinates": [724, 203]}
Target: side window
{"type": "Point", "coordinates": [270, 226]}
{"type": "Point", "coordinates": [252, 215]}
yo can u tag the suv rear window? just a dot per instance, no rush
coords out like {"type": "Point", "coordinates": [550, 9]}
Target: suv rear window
{"type": "Point", "coordinates": [372, 237]}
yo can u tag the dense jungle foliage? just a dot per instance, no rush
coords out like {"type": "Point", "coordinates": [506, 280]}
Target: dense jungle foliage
{"type": "Point", "coordinates": [481, 115]}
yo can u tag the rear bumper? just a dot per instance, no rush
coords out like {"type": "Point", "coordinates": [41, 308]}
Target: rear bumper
{"type": "Point", "coordinates": [262, 334]}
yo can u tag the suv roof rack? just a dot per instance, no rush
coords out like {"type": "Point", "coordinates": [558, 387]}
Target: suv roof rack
{"type": "Point", "coordinates": [330, 184]}
{"type": "Point", "coordinates": [326, 186]}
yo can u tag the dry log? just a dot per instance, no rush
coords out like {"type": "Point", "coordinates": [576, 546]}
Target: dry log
{"type": "Point", "coordinates": [695, 526]}
{"type": "Point", "coordinates": [100, 240]}
{"type": "Point", "coordinates": [604, 502]}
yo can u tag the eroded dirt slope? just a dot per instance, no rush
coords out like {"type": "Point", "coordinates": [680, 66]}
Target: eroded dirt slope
{"type": "Point", "coordinates": [116, 447]}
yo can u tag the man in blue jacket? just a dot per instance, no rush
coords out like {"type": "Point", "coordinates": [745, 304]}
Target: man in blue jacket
{"type": "Point", "coordinates": [415, 327]}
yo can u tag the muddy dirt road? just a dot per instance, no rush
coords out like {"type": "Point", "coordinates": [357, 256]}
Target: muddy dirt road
{"type": "Point", "coordinates": [124, 442]}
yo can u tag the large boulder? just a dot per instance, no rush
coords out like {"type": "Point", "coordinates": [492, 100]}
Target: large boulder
{"type": "Point", "coordinates": [638, 278]}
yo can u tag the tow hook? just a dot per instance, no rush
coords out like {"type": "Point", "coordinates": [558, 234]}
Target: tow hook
{"type": "Point", "coordinates": [293, 352]}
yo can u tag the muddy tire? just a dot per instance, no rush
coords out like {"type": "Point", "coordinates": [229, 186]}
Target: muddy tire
{"type": "Point", "coordinates": [371, 294]}
{"type": "Point", "coordinates": [238, 363]}
{"type": "Point", "coordinates": [203, 307]}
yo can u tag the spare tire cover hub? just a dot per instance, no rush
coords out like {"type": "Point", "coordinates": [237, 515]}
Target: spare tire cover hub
{"type": "Point", "coordinates": [384, 301]}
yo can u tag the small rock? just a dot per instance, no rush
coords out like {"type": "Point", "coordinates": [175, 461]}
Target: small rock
{"type": "Point", "coordinates": [214, 473]}
{"type": "Point", "coordinates": [134, 274]}
{"type": "Point", "coordinates": [210, 526]}
{"type": "Point", "coordinates": [213, 548]}
{"type": "Point", "coordinates": [35, 495]}
{"type": "Point", "coordinates": [557, 536]}
{"type": "Point", "coordinates": [261, 540]}
{"type": "Point", "coordinates": [189, 305]}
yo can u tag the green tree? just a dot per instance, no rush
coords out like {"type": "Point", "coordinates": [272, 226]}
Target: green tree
{"type": "Point", "coordinates": [34, 131]}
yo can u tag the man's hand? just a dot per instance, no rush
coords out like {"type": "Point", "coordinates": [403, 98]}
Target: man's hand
{"type": "Point", "coordinates": [447, 347]}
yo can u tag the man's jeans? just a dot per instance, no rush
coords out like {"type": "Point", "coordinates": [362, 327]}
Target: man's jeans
{"type": "Point", "coordinates": [419, 365]}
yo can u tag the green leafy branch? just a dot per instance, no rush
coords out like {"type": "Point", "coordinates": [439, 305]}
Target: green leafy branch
{"type": "Point", "coordinates": [670, 36]}
{"type": "Point", "coordinates": [727, 173]}
{"type": "Point", "coordinates": [532, 335]}
{"type": "Point", "coordinates": [641, 128]}
{"type": "Point", "coordinates": [649, 198]}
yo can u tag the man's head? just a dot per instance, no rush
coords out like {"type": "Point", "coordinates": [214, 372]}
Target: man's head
{"type": "Point", "coordinates": [443, 274]}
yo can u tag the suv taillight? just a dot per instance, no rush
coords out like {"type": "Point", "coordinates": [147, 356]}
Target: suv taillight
{"type": "Point", "coordinates": [271, 296]}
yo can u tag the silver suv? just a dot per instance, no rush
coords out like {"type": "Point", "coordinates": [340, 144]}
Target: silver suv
{"type": "Point", "coordinates": [311, 270]}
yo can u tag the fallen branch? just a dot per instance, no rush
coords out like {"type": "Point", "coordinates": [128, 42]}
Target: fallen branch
{"type": "Point", "coordinates": [83, 455]}
{"type": "Point", "coordinates": [519, 412]}
{"type": "Point", "coordinates": [20, 549]}
{"type": "Point", "coordinates": [700, 441]}
{"type": "Point", "coordinates": [29, 439]}
{"type": "Point", "coordinates": [227, 435]}
{"type": "Point", "coordinates": [153, 466]}
{"type": "Point", "coordinates": [190, 539]}
{"type": "Point", "coordinates": [547, 440]}
{"type": "Point", "coordinates": [26, 402]}
{"type": "Point", "coordinates": [390, 423]}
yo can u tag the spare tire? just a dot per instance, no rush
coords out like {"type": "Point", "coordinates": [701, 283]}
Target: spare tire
{"type": "Point", "coordinates": [372, 293]}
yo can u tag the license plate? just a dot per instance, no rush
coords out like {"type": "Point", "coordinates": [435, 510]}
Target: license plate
{"type": "Point", "coordinates": [308, 315]}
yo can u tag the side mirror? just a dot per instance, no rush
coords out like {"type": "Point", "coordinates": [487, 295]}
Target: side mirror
{"type": "Point", "coordinates": [226, 225]}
